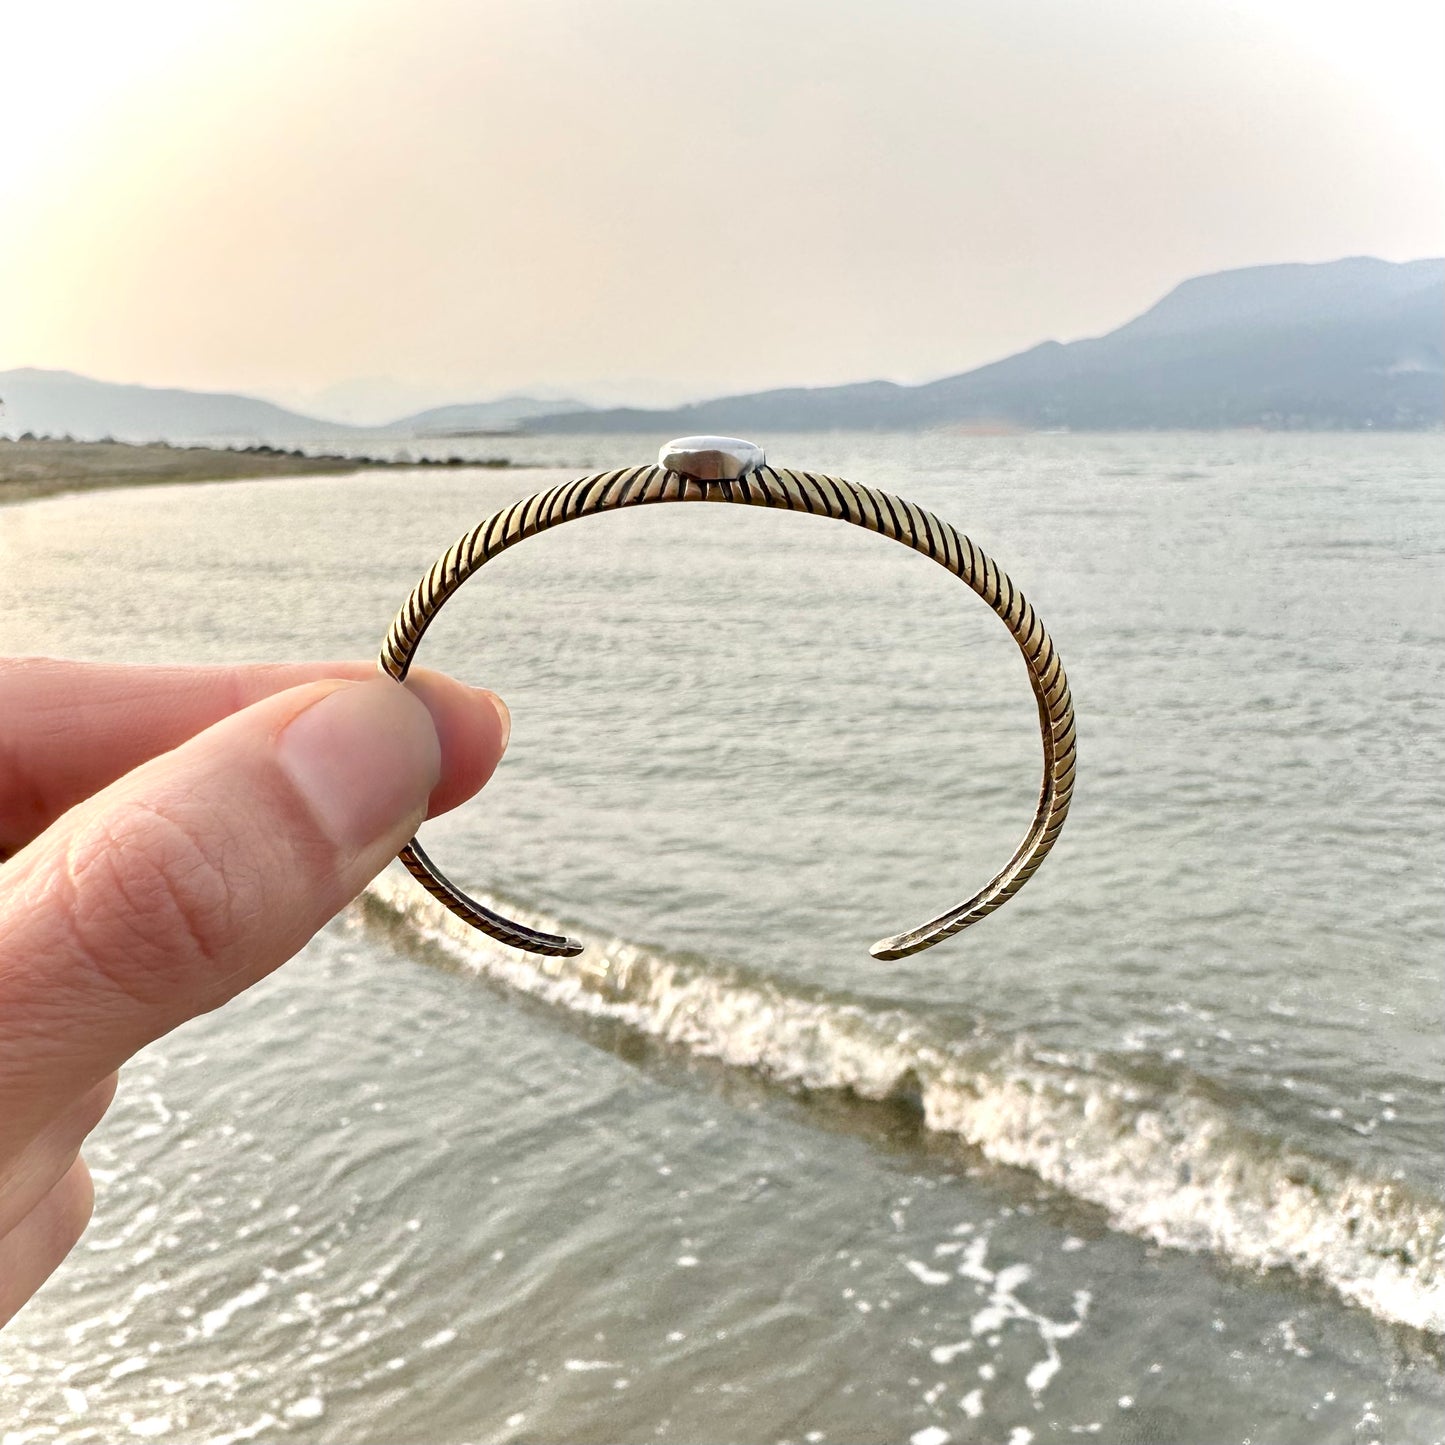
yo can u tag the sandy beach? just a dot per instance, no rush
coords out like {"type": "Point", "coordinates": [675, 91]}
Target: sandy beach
{"type": "Point", "coordinates": [42, 467]}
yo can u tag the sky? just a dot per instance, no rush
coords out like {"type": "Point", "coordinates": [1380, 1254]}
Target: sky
{"type": "Point", "coordinates": [361, 207]}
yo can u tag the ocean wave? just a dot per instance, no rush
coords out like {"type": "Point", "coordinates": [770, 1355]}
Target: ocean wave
{"type": "Point", "coordinates": [1165, 1162]}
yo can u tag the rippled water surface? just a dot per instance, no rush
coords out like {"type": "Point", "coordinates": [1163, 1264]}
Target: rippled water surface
{"type": "Point", "coordinates": [1152, 1154]}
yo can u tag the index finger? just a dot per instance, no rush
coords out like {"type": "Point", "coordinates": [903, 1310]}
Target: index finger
{"type": "Point", "coordinates": [73, 728]}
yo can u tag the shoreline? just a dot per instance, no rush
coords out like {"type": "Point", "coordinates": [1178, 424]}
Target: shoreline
{"type": "Point", "coordinates": [39, 467]}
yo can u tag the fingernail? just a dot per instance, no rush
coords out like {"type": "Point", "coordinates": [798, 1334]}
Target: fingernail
{"type": "Point", "coordinates": [365, 757]}
{"type": "Point", "coordinates": [503, 713]}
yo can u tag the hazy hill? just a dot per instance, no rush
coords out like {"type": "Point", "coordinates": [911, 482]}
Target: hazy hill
{"type": "Point", "coordinates": [479, 416]}
{"type": "Point", "coordinates": [1352, 343]}
{"type": "Point", "coordinates": [60, 403]}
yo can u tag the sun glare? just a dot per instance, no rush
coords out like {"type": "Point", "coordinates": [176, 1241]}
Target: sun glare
{"type": "Point", "coordinates": [71, 63]}
{"type": "Point", "coordinates": [1390, 50]}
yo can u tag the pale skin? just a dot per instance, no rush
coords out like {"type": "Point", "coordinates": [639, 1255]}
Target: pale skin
{"type": "Point", "coordinates": [175, 834]}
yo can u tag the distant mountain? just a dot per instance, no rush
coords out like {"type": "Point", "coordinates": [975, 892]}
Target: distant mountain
{"type": "Point", "coordinates": [1345, 344]}
{"type": "Point", "coordinates": [60, 403]}
{"type": "Point", "coordinates": [1353, 343]}
{"type": "Point", "coordinates": [480, 416]}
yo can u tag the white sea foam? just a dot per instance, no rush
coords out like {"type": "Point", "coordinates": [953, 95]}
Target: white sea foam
{"type": "Point", "coordinates": [1170, 1165]}
{"type": "Point", "coordinates": [930, 1435]}
{"type": "Point", "coordinates": [217, 1319]}
{"type": "Point", "coordinates": [925, 1275]}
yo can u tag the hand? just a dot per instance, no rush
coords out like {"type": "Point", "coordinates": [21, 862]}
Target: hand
{"type": "Point", "coordinates": [177, 833]}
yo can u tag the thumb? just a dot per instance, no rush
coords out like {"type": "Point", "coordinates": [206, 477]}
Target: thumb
{"type": "Point", "coordinates": [198, 873]}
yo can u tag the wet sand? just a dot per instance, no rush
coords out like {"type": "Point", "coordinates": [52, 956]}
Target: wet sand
{"type": "Point", "coordinates": [42, 468]}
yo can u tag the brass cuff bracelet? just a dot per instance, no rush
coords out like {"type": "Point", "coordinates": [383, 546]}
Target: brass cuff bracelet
{"type": "Point", "coordinates": [723, 469]}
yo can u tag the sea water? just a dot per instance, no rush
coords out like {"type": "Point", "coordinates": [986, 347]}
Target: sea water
{"type": "Point", "coordinates": [1154, 1153]}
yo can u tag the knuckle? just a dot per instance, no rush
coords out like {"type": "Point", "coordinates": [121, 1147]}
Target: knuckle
{"type": "Point", "coordinates": [91, 1108]}
{"type": "Point", "coordinates": [32, 1169]}
{"type": "Point", "coordinates": [66, 1211]}
{"type": "Point", "coordinates": [79, 1201]}
{"type": "Point", "coordinates": [151, 902]}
